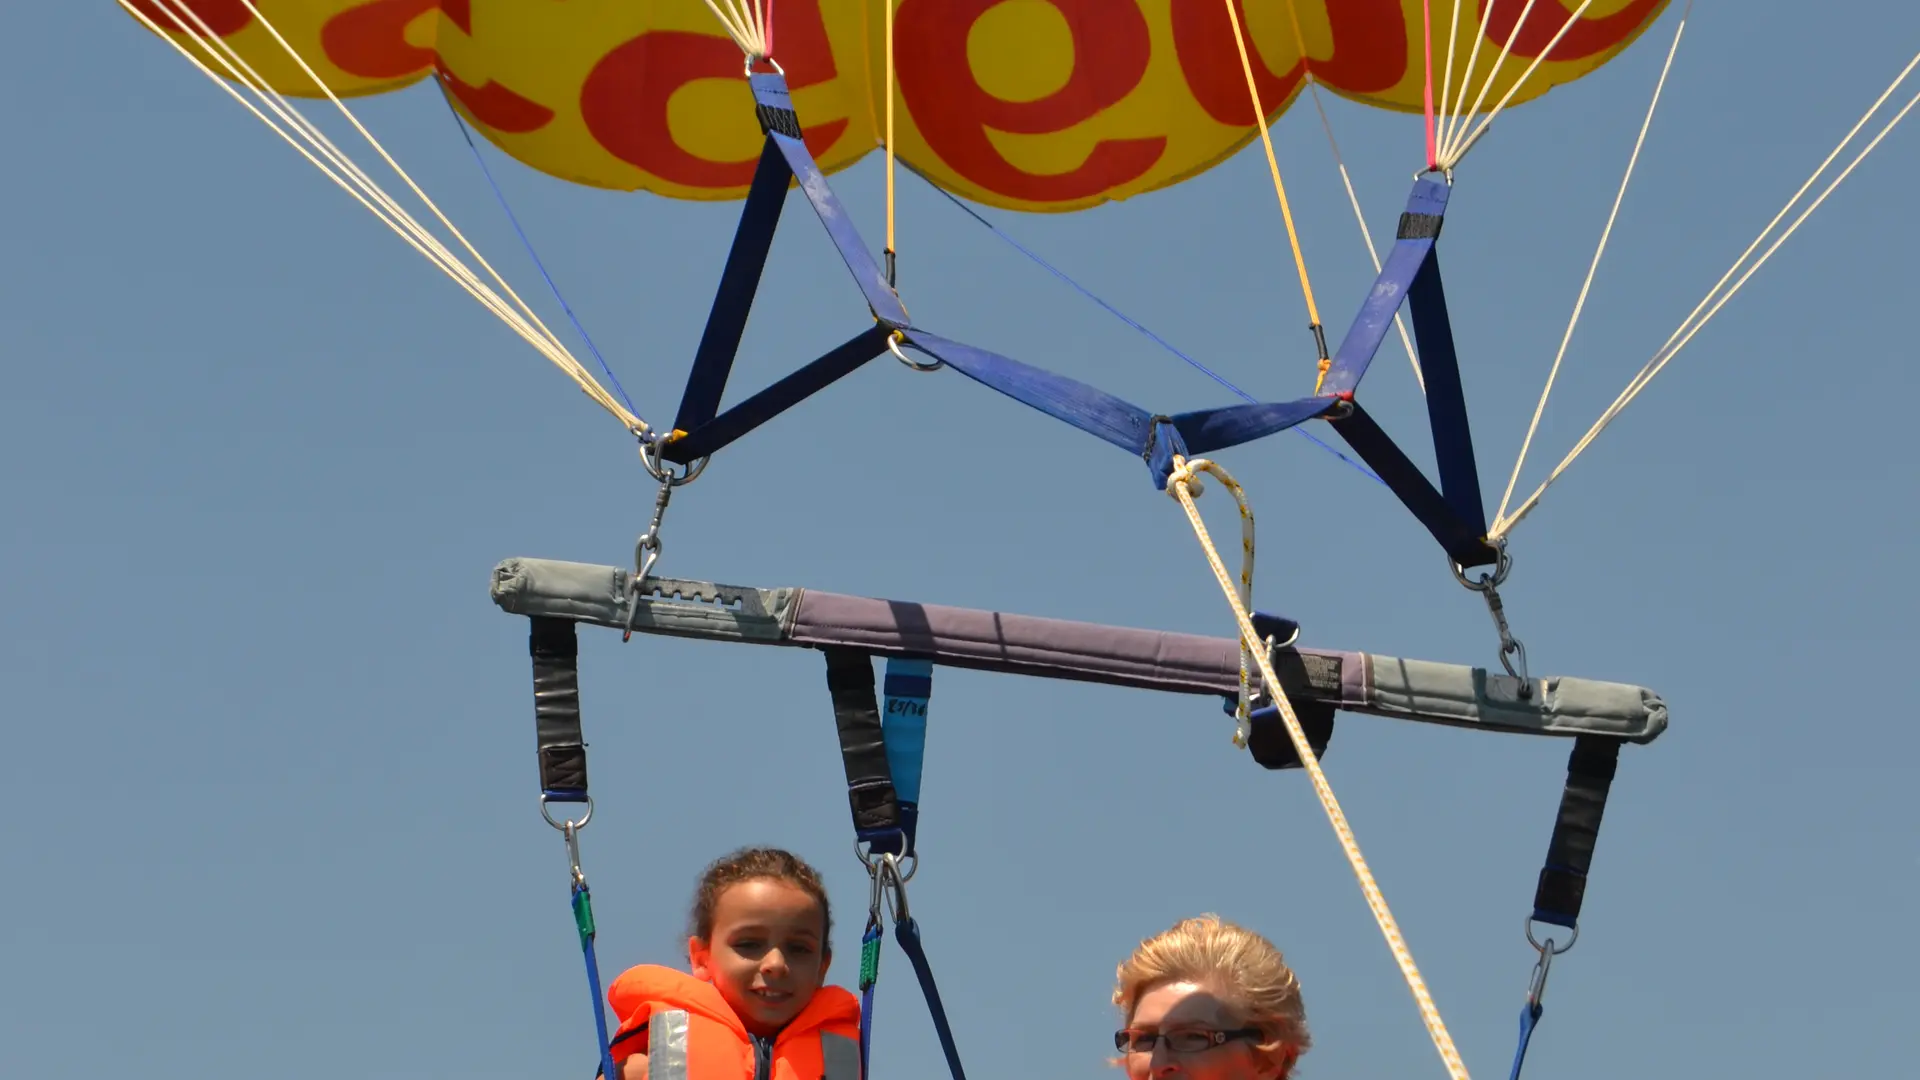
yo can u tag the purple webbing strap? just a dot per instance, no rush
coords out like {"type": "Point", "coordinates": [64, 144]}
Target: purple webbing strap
{"type": "Point", "coordinates": [1059, 649]}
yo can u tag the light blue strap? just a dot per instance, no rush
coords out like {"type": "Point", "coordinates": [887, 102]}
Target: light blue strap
{"type": "Point", "coordinates": [903, 724]}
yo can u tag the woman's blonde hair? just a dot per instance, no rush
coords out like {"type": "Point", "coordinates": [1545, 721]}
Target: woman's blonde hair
{"type": "Point", "coordinates": [1239, 964]}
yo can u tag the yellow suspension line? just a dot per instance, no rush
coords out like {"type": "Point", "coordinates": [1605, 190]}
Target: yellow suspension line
{"type": "Point", "coordinates": [1280, 189]}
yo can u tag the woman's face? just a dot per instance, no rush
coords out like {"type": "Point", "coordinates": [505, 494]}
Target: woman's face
{"type": "Point", "coordinates": [1183, 1030]}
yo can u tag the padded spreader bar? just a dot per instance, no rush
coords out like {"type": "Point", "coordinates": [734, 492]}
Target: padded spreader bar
{"type": "Point", "coordinates": [1419, 690]}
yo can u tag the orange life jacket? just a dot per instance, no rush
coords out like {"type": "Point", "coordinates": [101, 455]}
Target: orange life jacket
{"type": "Point", "coordinates": [689, 1032]}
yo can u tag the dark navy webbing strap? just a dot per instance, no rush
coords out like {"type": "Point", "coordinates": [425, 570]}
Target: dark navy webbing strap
{"type": "Point", "coordinates": [1410, 275]}
{"type": "Point", "coordinates": [1562, 888]}
{"type": "Point", "coordinates": [733, 300]}
{"type": "Point", "coordinates": [1563, 879]}
{"type": "Point", "coordinates": [556, 710]}
{"type": "Point", "coordinates": [907, 933]}
{"type": "Point", "coordinates": [721, 431]}
{"type": "Point", "coordinates": [863, 750]}
{"type": "Point", "coordinates": [784, 158]}
{"type": "Point", "coordinates": [1464, 544]}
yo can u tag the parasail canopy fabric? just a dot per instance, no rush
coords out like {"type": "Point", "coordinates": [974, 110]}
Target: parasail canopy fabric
{"type": "Point", "coordinates": [1036, 105]}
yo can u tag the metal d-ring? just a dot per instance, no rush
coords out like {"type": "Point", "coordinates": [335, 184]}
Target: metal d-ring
{"type": "Point", "coordinates": [650, 460]}
{"type": "Point", "coordinates": [569, 825]}
{"type": "Point", "coordinates": [893, 346]}
{"type": "Point", "coordinates": [1551, 948]}
{"type": "Point", "coordinates": [1503, 564]}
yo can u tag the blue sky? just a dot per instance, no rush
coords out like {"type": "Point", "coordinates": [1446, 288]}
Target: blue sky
{"type": "Point", "coordinates": [270, 781]}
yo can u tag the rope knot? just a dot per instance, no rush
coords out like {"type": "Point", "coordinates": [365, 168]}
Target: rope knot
{"type": "Point", "coordinates": [1186, 474]}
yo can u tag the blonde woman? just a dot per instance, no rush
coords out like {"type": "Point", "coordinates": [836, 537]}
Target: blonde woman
{"type": "Point", "coordinates": [1209, 1000]}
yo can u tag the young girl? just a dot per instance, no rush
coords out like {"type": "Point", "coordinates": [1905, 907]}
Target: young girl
{"type": "Point", "coordinates": [755, 1006]}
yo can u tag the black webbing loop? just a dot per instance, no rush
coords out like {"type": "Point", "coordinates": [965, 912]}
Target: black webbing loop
{"type": "Point", "coordinates": [556, 709]}
{"type": "Point", "coordinates": [1271, 744]}
{"type": "Point", "coordinates": [863, 749]}
{"type": "Point", "coordinates": [1563, 880]}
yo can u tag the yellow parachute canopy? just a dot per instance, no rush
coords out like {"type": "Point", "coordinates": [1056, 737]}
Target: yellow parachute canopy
{"type": "Point", "coordinates": [1039, 105]}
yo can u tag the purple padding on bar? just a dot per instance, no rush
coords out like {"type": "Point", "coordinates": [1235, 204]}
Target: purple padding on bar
{"type": "Point", "coordinates": [1047, 648]}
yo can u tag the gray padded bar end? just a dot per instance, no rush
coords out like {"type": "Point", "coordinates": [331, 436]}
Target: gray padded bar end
{"type": "Point", "coordinates": [1419, 690]}
{"type": "Point", "coordinates": [670, 606]}
{"type": "Point", "coordinates": [1473, 697]}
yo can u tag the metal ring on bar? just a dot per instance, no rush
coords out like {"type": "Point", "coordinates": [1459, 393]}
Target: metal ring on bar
{"type": "Point", "coordinates": [656, 468]}
{"type": "Point", "coordinates": [768, 59]}
{"type": "Point", "coordinates": [1495, 579]}
{"type": "Point", "coordinates": [569, 823]}
{"type": "Point", "coordinates": [1550, 945]}
{"type": "Point", "coordinates": [893, 346]}
{"type": "Point", "coordinates": [870, 861]}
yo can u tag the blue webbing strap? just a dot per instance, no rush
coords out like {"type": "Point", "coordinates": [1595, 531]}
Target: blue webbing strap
{"type": "Point", "coordinates": [1217, 429]}
{"type": "Point", "coordinates": [1426, 206]}
{"type": "Point", "coordinates": [1088, 408]}
{"type": "Point", "coordinates": [1116, 421]}
{"type": "Point", "coordinates": [583, 920]}
{"type": "Point", "coordinates": [1122, 316]}
{"type": "Point", "coordinates": [903, 727]}
{"type": "Point", "coordinates": [907, 932]}
{"type": "Point", "coordinates": [1411, 275]}
{"type": "Point", "coordinates": [908, 686]}
{"type": "Point", "coordinates": [1529, 1016]}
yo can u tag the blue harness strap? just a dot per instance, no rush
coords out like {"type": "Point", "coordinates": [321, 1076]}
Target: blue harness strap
{"type": "Point", "coordinates": [1411, 275]}
{"type": "Point", "coordinates": [555, 649]}
{"type": "Point", "coordinates": [906, 931]}
{"type": "Point", "coordinates": [784, 159]}
{"type": "Point", "coordinates": [583, 921]}
{"type": "Point", "coordinates": [1529, 1016]}
{"type": "Point", "coordinates": [883, 749]}
{"type": "Point", "coordinates": [903, 728]}
{"type": "Point", "coordinates": [1454, 513]}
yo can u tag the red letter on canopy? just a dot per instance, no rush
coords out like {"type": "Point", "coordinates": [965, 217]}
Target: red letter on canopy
{"type": "Point", "coordinates": [1369, 54]}
{"type": "Point", "coordinates": [624, 100]}
{"type": "Point", "coordinates": [223, 17]}
{"type": "Point", "coordinates": [1111, 48]}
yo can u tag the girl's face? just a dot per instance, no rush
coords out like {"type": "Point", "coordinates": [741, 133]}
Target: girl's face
{"type": "Point", "coordinates": [766, 955]}
{"type": "Point", "coordinates": [1190, 1034]}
